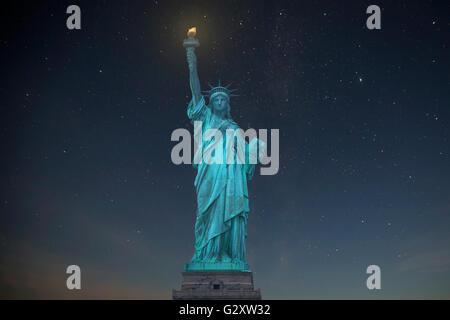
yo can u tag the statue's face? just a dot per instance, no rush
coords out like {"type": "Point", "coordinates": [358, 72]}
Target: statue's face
{"type": "Point", "coordinates": [219, 102]}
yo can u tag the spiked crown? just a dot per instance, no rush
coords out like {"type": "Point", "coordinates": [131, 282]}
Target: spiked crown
{"type": "Point", "coordinates": [214, 91]}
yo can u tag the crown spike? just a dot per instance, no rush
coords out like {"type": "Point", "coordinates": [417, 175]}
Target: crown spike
{"type": "Point", "coordinates": [220, 89]}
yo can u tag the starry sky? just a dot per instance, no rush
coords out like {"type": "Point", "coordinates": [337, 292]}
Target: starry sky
{"type": "Point", "coordinates": [86, 116]}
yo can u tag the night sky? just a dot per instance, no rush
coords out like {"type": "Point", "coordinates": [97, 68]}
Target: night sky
{"type": "Point", "coordinates": [86, 117]}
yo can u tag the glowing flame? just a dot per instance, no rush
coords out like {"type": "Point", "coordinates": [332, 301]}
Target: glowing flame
{"type": "Point", "coordinates": [192, 32]}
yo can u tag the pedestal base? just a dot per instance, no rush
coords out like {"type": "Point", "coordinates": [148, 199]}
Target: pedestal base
{"type": "Point", "coordinates": [217, 285]}
{"type": "Point", "coordinates": [216, 266]}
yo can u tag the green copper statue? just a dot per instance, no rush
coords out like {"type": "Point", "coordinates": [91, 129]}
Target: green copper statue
{"type": "Point", "coordinates": [222, 195]}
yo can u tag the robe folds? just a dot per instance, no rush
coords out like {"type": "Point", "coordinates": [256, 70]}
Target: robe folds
{"type": "Point", "coordinates": [222, 195]}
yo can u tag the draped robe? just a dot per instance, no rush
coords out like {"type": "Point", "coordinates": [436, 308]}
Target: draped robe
{"type": "Point", "coordinates": [222, 196]}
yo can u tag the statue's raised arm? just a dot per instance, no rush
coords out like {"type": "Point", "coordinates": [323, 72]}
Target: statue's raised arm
{"type": "Point", "coordinates": [190, 43]}
{"type": "Point", "coordinates": [193, 75]}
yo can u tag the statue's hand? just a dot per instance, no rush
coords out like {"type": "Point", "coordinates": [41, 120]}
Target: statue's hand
{"type": "Point", "coordinates": [191, 58]}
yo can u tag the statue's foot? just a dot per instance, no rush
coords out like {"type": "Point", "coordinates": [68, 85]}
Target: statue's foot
{"type": "Point", "coordinates": [226, 259]}
{"type": "Point", "coordinates": [237, 261]}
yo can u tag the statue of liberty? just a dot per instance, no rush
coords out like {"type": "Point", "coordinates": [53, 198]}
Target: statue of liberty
{"type": "Point", "coordinates": [221, 188]}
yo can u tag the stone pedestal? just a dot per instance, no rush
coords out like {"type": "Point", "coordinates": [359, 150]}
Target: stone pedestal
{"type": "Point", "coordinates": [217, 285]}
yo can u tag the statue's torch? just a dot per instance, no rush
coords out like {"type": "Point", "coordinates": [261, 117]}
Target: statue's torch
{"type": "Point", "coordinates": [190, 43]}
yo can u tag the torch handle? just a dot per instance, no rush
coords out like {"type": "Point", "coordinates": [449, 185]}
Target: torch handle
{"type": "Point", "coordinates": [191, 58]}
{"type": "Point", "coordinates": [194, 80]}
